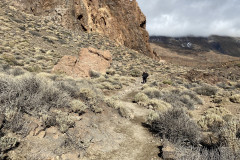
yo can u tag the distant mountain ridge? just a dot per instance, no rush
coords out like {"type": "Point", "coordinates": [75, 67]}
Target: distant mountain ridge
{"type": "Point", "coordinates": [189, 45]}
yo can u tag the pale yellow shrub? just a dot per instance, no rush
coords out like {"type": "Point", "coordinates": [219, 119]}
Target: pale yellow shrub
{"type": "Point", "coordinates": [78, 106]}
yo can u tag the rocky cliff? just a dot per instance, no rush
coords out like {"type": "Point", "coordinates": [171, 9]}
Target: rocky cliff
{"type": "Point", "coordinates": [120, 20]}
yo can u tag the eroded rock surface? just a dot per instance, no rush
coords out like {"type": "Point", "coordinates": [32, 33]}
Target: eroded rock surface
{"type": "Point", "coordinates": [89, 59]}
{"type": "Point", "coordinates": [120, 20]}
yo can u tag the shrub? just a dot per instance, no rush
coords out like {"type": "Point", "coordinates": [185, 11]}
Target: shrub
{"type": "Point", "coordinates": [6, 143]}
{"type": "Point", "coordinates": [235, 98]}
{"type": "Point", "coordinates": [62, 120]}
{"type": "Point", "coordinates": [113, 103]}
{"type": "Point", "coordinates": [141, 97]}
{"type": "Point", "coordinates": [10, 59]}
{"type": "Point", "coordinates": [159, 105]}
{"type": "Point", "coordinates": [34, 68]}
{"type": "Point", "coordinates": [198, 153]}
{"type": "Point", "coordinates": [30, 94]}
{"type": "Point", "coordinates": [213, 118]}
{"type": "Point", "coordinates": [179, 98]}
{"type": "Point", "coordinates": [69, 86]}
{"type": "Point", "coordinates": [152, 92]}
{"type": "Point", "coordinates": [17, 71]}
{"type": "Point", "coordinates": [82, 89]}
{"type": "Point", "coordinates": [152, 116]}
{"type": "Point", "coordinates": [176, 126]}
{"type": "Point", "coordinates": [49, 120]}
{"type": "Point", "coordinates": [91, 97]}
{"type": "Point", "coordinates": [225, 86]}
{"type": "Point", "coordinates": [110, 82]}
{"type": "Point", "coordinates": [126, 112]}
{"type": "Point", "coordinates": [206, 90]}
{"type": "Point", "coordinates": [135, 73]}
{"type": "Point", "coordinates": [168, 82]}
{"type": "Point", "coordinates": [191, 85]}
{"type": "Point", "coordinates": [228, 133]}
{"type": "Point", "coordinates": [175, 97]}
{"type": "Point", "coordinates": [16, 123]}
{"type": "Point", "coordinates": [107, 85]}
{"type": "Point", "coordinates": [78, 106]}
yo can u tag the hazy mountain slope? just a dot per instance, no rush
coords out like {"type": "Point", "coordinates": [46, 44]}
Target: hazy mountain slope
{"type": "Point", "coordinates": [193, 45]}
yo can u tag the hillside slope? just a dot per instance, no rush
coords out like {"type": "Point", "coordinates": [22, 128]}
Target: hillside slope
{"type": "Point", "coordinates": [121, 21]}
{"type": "Point", "coordinates": [193, 45]}
{"type": "Point", "coordinates": [112, 115]}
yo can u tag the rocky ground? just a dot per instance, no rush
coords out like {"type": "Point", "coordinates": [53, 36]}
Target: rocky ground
{"type": "Point", "coordinates": [107, 116]}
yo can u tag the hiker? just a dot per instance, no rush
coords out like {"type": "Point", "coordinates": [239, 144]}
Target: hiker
{"type": "Point", "coordinates": [144, 76]}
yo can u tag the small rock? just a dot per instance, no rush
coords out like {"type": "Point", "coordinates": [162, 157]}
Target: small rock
{"type": "Point", "coordinates": [169, 152]}
{"type": "Point", "coordinates": [81, 66]}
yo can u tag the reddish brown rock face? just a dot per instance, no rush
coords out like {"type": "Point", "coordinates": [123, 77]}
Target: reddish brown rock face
{"type": "Point", "coordinates": [120, 20]}
{"type": "Point", "coordinates": [89, 59]}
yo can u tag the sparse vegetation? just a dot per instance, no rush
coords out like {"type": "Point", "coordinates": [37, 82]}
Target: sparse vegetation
{"type": "Point", "coordinates": [135, 73]}
{"type": "Point", "coordinates": [213, 118]}
{"type": "Point", "coordinates": [235, 98]}
{"type": "Point", "coordinates": [198, 153]}
{"type": "Point", "coordinates": [57, 115]}
{"type": "Point", "coordinates": [78, 106]}
{"type": "Point", "coordinates": [167, 82]}
{"type": "Point", "coordinates": [206, 90]}
{"type": "Point", "coordinates": [176, 126]}
{"type": "Point", "coordinates": [176, 97]}
{"type": "Point", "coordinates": [10, 59]}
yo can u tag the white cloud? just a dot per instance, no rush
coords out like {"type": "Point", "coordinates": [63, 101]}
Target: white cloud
{"type": "Point", "coordinates": [192, 17]}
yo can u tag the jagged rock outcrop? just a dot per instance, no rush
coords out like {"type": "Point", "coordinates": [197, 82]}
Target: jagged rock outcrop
{"type": "Point", "coordinates": [120, 20]}
{"type": "Point", "coordinates": [89, 59]}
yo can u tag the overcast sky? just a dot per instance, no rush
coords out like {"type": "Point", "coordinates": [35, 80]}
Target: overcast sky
{"type": "Point", "coordinates": [192, 17]}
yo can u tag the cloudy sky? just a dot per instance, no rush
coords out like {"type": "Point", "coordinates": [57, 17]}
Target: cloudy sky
{"type": "Point", "coordinates": [192, 17]}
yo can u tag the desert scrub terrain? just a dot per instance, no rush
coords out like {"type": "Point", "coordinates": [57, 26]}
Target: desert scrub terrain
{"type": "Point", "coordinates": [35, 102]}
{"type": "Point", "coordinates": [182, 112]}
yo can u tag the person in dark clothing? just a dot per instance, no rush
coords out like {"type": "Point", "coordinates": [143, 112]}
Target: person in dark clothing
{"type": "Point", "coordinates": [144, 76]}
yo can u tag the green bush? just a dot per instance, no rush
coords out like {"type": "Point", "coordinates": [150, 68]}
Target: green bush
{"type": "Point", "coordinates": [176, 126]}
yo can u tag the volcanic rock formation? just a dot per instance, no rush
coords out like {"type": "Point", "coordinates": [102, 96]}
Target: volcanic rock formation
{"type": "Point", "coordinates": [120, 20]}
{"type": "Point", "coordinates": [89, 59]}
